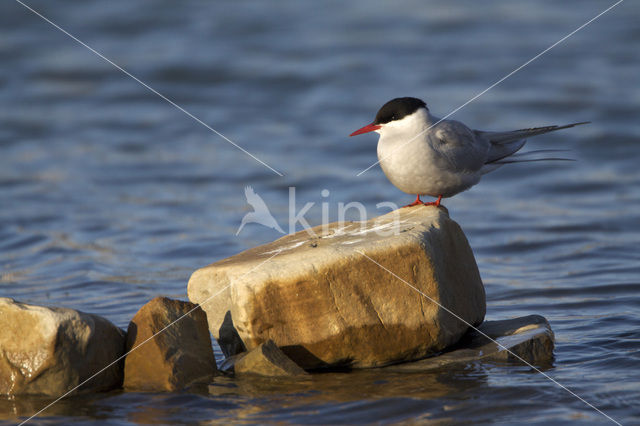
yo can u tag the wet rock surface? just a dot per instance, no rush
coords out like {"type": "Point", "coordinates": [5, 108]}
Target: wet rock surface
{"type": "Point", "coordinates": [266, 360]}
{"type": "Point", "coordinates": [49, 351]}
{"type": "Point", "coordinates": [179, 354]}
{"type": "Point", "coordinates": [528, 338]}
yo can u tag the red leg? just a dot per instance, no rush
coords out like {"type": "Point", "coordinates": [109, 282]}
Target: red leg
{"type": "Point", "coordinates": [417, 202]}
{"type": "Point", "coordinates": [434, 203]}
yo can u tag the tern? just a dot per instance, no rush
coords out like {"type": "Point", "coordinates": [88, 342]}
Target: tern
{"type": "Point", "coordinates": [424, 155]}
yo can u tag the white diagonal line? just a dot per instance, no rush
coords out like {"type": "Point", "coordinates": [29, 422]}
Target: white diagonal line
{"type": "Point", "coordinates": [149, 87]}
{"type": "Point", "coordinates": [150, 338]}
{"type": "Point", "coordinates": [494, 341]}
{"type": "Point", "coordinates": [497, 82]}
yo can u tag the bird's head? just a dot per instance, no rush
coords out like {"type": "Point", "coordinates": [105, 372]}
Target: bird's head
{"type": "Point", "coordinates": [399, 114]}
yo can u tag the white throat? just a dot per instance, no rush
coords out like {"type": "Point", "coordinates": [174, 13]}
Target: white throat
{"type": "Point", "coordinates": [410, 125]}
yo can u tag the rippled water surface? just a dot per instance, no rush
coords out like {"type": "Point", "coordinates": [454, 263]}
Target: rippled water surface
{"type": "Point", "coordinates": [110, 196]}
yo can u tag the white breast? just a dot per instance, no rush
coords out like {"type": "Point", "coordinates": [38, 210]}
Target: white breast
{"type": "Point", "coordinates": [413, 165]}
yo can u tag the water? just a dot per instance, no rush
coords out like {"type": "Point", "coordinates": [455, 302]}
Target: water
{"type": "Point", "coordinates": [110, 196]}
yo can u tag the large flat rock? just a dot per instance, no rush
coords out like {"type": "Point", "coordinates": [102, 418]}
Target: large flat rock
{"type": "Point", "coordinates": [49, 351]}
{"type": "Point", "coordinates": [325, 303]}
{"type": "Point", "coordinates": [525, 339]}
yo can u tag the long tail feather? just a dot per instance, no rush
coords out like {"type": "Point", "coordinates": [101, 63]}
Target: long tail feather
{"type": "Point", "coordinates": [531, 160]}
{"type": "Point", "coordinates": [524, 157]}
{"type": "Point", "coordinates": [499, 138]}
{"type": "Point", "coordinates": [538, 151]}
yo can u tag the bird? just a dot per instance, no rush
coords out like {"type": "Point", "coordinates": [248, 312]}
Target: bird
{"type": "Point", "coordinates": [424, 155]}
{"type": "Point", "coordinates": [260, 213]}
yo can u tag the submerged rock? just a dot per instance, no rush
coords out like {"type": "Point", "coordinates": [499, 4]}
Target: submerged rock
{"type": "Point", "coordinates": [49, 351]}
{"type": "Point", "coordinates": [176, 357]}
{"type": "Point", "coordinates": [521, 339]}
{"type": "Point", "coordinates": [325, 302]}
{"type": "Point", "coordinates": [267, 360]}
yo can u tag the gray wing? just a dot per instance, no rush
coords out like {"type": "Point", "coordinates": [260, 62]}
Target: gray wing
{"type": "Point", "coordinates": [460, 146]}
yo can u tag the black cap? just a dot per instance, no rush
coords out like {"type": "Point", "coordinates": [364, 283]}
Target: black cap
{"type": "Point", "coordinates": [398, 108]}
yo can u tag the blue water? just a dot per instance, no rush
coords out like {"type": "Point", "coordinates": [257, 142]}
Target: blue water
{"type": "Point", "coordinates": [110, 196]}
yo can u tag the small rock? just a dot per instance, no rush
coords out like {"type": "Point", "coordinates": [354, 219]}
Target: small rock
{"type": "Point", "coordinates": [325, 303]}
{"type": "Point", "coordinates": [529, 338]}
{"type": "Point", "coordinates": [228, 365]}
{"type": "Point", "coordinates": [267, 360]}
{"type": "Point", "coordinates": [174, 358]}
{"type": "Point", "coordinates": [49, 351]}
